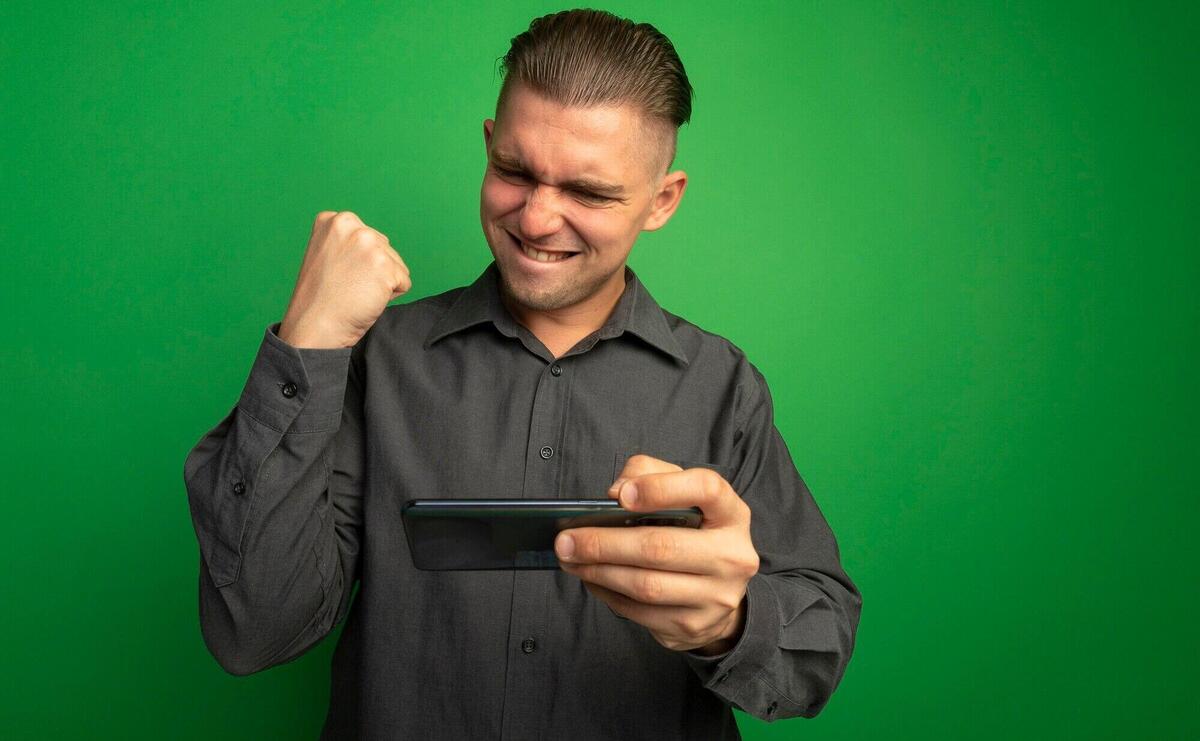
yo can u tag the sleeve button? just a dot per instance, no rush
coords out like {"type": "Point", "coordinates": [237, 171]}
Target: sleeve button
{"type": "Point", "coordinates": [289, 389]}
{"type": "Point", "coordinates": [239, 488]}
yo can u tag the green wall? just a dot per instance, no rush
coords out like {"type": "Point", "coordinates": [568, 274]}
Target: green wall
{"type": "Point", "coordinates": [953, 236]}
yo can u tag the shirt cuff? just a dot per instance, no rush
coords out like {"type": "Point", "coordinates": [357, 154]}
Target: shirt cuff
{"type": "Point", "coordinates": [293, 389]}
{"type": "Point", "coordinates": [730, 674]}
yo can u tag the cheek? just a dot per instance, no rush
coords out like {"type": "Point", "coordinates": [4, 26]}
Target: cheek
{"type": "Point", "coordinates": [603, 228]}
{"type": "Point", "coordinates": [500, 197]}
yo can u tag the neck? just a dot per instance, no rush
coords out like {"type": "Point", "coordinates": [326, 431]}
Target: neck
{"type": "Point", "coordinates": [560, 329]}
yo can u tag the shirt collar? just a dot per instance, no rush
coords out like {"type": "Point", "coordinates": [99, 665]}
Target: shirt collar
{"type": "Point", "coordinates": [636, 312]}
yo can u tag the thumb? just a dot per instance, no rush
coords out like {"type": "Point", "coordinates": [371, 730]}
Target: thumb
{"type": "Point", "coordinates": [403, 286]}
{"type": "Point", "coordinates": [640, 464]}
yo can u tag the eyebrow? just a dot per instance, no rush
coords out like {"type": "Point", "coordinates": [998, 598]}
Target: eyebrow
{"type": "Point", "coordinates": [587, 184]}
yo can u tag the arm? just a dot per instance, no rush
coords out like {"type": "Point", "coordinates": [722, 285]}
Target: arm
{"type": "Point", "coordinates": [802, 610]}
{"type": "Point", "coordinates": [274, 496]}
{"type": "Point", "coordinates": [755, 599]}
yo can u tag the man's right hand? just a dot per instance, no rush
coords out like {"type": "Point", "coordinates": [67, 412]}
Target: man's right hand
{"type": "Point", "coordinates": [349, 274]}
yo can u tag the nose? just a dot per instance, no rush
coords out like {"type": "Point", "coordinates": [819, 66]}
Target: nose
{"type": "Point", "coordinates": [541, 216]}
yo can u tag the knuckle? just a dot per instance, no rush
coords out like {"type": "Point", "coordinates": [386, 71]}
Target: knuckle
{"type": "Point", "coordinates": [321, 219]}
{"type": "Point", "coordinates": [380, 260]}
{"type": "Point", "coordinates": [748, 565]}
{"type": "Point", "coordinates": [648, 588]}
{"type": "Point", "coordinates": [658, 547]}
{"type": "Point", "coordinates": [345, 219]}
{"type": "Point", "coordinates": [686, 625]}
{"type": "Point", "coordinates": [638, 460]}
{"type": "Point", "coordinates": [640, 464]}
{"type": "Point", "coordinates": [590, 547]}
{"type": "Point", "coordinates": [729, 600]}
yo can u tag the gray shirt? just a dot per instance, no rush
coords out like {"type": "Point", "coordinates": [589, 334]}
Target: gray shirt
{"type": "Point", "coordinates": [296, 495]}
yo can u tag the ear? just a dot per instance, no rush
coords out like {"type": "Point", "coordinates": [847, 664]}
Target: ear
{"type": "Point", "coordinates": [666, 200]}
{"type": "Point", "coordinates": [488, 125]}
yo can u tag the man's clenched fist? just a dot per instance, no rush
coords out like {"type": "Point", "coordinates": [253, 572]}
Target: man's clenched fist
{"type": "Point", "coordinates": [349, 274]}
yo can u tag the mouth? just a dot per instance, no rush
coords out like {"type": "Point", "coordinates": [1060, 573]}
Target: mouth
{"type": "Point", "coordinates": [542, 257]}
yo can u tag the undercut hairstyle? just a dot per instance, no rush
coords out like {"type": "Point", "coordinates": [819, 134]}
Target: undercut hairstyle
{"type": "Point", "coordinates": [589, 58]}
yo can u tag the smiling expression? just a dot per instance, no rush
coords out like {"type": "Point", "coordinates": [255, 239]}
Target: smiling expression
{"type": "Point", "coordinates": [578, 185]}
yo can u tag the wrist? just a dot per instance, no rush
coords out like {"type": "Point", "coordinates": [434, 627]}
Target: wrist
{"type": "Point", "coordinates": [309, 336]}
{"type": "Point", "coordinates": [730, 636]}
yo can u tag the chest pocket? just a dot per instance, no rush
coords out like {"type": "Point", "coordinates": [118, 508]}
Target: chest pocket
{"type": "Point", "coordinates": [684, 463]}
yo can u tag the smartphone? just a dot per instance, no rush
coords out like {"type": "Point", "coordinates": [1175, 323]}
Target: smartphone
{"type": "Point", "coordinates": [468, 534]}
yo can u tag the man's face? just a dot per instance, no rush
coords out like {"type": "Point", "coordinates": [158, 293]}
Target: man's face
{"type": "Point", "coordinates": [579, 183]}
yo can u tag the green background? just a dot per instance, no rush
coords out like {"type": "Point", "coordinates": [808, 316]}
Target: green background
{"type": "Point", "coordinates": [957, 238]}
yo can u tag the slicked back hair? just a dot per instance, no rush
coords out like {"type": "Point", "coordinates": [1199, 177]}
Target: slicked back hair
{"type": "Point", "coordinates": [589, 58]}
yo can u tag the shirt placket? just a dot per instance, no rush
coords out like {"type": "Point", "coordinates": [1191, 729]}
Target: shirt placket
{"type": "Point", "coordinates": [529, 648]}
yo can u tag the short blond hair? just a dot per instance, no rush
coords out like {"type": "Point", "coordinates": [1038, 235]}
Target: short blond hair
{"type": "Point", "coordinates": [588, 58]}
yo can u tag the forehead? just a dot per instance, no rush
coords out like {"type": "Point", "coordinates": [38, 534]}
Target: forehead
{"type": "Point", "coordinates": [551, 139]}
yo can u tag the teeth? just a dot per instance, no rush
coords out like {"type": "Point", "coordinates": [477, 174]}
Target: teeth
{"type": "Point", "coordinates": [543, 256]}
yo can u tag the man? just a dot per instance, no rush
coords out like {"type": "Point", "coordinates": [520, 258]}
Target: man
{"type": "Point", "coordinates": [553, 375]}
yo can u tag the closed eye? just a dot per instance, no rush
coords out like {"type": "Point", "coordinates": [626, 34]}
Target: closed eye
{"type": "Point", "coordinates": [592, 196]}
{"type": "Point", "coordinates": [587, 196]}
{"type": "Point", "coordinates": [509, 173]}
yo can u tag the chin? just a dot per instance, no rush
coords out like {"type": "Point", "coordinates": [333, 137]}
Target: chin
{"type": "Point", "coordinates": [543, 298]}
{"type": "Point", "coordinates": [549, 300]}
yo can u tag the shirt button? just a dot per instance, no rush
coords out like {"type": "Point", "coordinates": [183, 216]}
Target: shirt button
{"type": "Point", "coordinates": [771, 707]}
{"type": "Point", "coordinates": [239, 488]}
{"type": "Point", "coordinates": [547, 451]}
{"type": "Point", "coordinates": [289, 389]}
{"type": "Point", "coordinates": [528, 645]}
{"type": "Point", "coordinates": [556, 370]}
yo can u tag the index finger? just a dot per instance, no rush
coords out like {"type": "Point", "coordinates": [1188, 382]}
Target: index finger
{"type": "Point", "coordinates": [694, 487]}
{"type": "Point", "coordinates": [659, 547]}
{"type": "Point", "coordinates": [640, 464]}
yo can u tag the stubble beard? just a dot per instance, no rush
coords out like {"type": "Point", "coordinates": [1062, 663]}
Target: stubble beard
{"type": "Point", "coordinates": [572, 290]}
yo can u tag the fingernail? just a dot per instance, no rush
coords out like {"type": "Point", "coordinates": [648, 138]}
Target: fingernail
{"type": "Point", "coordinates": [565, 546]}
{"type": "Point", "coordinates": [630, 493]}
{"type": "Point", "coordinates": [616, 487]}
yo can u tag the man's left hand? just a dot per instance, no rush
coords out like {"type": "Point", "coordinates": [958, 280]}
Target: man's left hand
{"type": "Point", "coordinates": [686, 586]}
